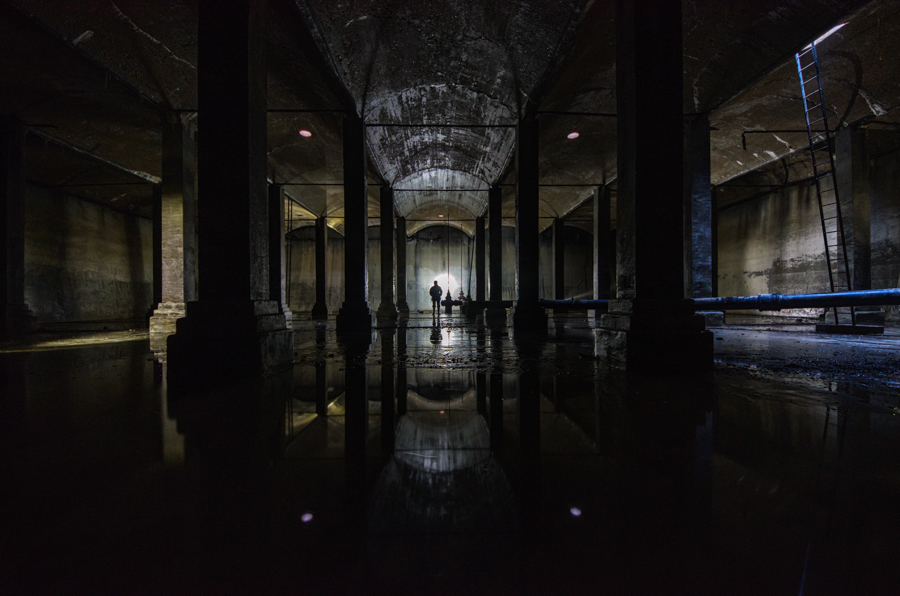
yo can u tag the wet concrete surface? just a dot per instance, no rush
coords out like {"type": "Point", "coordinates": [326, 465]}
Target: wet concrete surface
{"type": "Point", "coordinates": [477, 462]}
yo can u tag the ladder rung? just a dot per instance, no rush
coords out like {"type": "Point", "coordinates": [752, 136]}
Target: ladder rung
{"type": "Point", "coordinates": [816, 122]}
{"type": "Point", "coordinates": [806, 51]}
{"type": "Point", "coordinates": [821, 163]}
{"type": "Point", "coordinates": [813, 93]}
{"type": "Point", "coordinates": [802, 68]}
{"type": "Point", "coordinates": [809, 79]}
{"type": "Point", "coordinates": [815, 107]}
{"type": "Point", "coordinates": [823, 174]}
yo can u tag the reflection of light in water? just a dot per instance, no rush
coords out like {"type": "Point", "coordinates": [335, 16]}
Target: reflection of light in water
{"type": "Point", "coordinates": [307, 517]}
{"type": "Point", "coordinates": [575, 511]}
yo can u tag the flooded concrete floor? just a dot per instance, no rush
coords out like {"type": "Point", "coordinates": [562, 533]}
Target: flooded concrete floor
{"type": "Point", "coordinates": [478, 463]}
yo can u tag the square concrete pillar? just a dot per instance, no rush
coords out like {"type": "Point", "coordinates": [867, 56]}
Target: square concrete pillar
{"type": "Point", "coordinates": [604, 270]}
{"type": "Point", "coordinates": [320, 308]}
{"type": "Point", "coordinates": [496, 314]}
{"type": "Point", "coordinates": [526, 314]}
{"type": "Point", "coordinates": [355, 316]}
{"type": "Point", "coordinates": [234, 329]}
{"type": "Point", "coordinates": [475, 308]}
{"type": "Point", "coordinates": [559, 262]}
{"type": "Point", "coordinates": [174, 232]}
{"type": "Point", "coordinates": [277, 258]}
{"type": "Point", "coordinates": [17, 317]}
{"type": "Point", "coordinates": [402, 305]}
{"type": "Point", "coordinates": [650, 328]}
{"type": "Point", "coordinates": [854, 189]}
{"type": "Point", "coordinates": [387, 311]}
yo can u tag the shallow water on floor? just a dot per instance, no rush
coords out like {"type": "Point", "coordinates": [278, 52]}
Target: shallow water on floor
{"type": "Point", "coordinates": [454, 459]}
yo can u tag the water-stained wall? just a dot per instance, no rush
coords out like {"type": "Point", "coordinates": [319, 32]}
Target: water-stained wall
{"type": "Point", "coordinates": [774, 244]}
{"type": "Point", "coordinates": [85, 262]}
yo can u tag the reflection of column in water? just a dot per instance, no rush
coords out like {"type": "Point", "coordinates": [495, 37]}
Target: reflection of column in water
{"type": "Point", "coordinates": [528, 411]}
{"type": "Point", "coordinates": [321, 374]}
{"type": "Point", "coordinates": [388, 417]}
{"type": "Point", "coordinates": [496, 393]}
{"type": "Point", "coordinates": [401, 371]}
{"type": "Point", "coordinates": [480, 377]}
{"type": "Point", "coordinates": [356, 418]}
{"type": "Point", "coordinates": [172, 441]}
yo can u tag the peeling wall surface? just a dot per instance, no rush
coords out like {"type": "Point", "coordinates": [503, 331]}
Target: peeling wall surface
{"type": "Point", "coordinates": [84, 262]}
{"type": "Point", "coordinates": [774, 244]}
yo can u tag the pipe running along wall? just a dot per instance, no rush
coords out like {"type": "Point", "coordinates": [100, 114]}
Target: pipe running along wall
{"type": "Point", "coordinates": [765, 302]}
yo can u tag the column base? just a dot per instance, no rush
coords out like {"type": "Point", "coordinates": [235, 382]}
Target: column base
{"type": "Point", "coordinates": [495, 316]}
{"type": "Point", "coordinates": [474, 310]}
{"type": "Point", "coordinates": [386, 312]}
{"type": "Point", "coordinates": [654, 338]}
{"type": "Point", "coordinates": [162, 323]}
{"type": "Point", "coordinates": [288, 316]}
{"type": "Point", "coordinates": [222, 341]}
{"type": "Point", "coordinates": [712, 318]}
{"type": "Point", "coordinates": [354, 318]}
{"type": "Point", "coordinates": [529, 318]}
{"type": "Point", "coordinates": [18, 319]}
{"type": "Point", "coordinates": [319, 311]}
{"type": "Point", "coordinates": [403, 308]}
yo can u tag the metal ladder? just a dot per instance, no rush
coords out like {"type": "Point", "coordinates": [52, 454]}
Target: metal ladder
{"type": "Point", "coordinates": [821, 151]}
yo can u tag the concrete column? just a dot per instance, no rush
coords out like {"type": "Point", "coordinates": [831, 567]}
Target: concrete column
{"type": "Point", "coordinates": [156, 208]}
{"type": "Point", "coordinates": [355, 315]}
{"type": "Point", "coordinates": [477, 308]}
{"type": "Point", "coordinates": [189, 206]}
{"type": "Point", "coordinates": [277, 253]}
{"type": "Point", "coordinates": [234, 329]}
{"type": "Point", "coordinates": [526, 314]}
{"type": "Point", "coordinates": [651, 328]}
{"type": "Point", "coordinates": [402, 306]}
{"type": "Point", "coordinates": [854, 190]}
{"type": "Point", "coordinates": [320, 308]}
{"type": "Point", "coordinates": [495, 312]}
{"type": "Point", "coordinates": [559, 260]}
{"type": "Point", "coordinates": [17, 317]}
{"type": "Point", "coordinates": [174, 275]}
{"type": "Point", "coordinates": [387, 311]}
{"type": "Point", "coordinates": [603, 266]}
{"type": "Point", "coordinates": [698, 217]}
{"type": "Point", "coordinates": [697, 210]}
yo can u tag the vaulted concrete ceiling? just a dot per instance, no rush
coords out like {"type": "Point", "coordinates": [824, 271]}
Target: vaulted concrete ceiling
{"type": "Point", "coordinates": [96, 79]}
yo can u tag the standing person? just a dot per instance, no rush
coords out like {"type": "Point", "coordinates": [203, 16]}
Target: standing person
{"type": "Point", "coordinates": [436, 293]}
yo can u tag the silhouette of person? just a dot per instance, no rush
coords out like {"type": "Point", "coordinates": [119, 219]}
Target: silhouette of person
{"type": "Point", "coordinates": [436, 292]}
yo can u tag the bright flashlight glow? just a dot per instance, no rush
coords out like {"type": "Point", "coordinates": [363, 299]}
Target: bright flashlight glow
{"type": "Point", "coordinates": [452, 284]}
{"type": "Point", "coordinates": [305, 133]}
{"type": "Point", "coordinates": [306, 518]}
{"type": "Point", "coordinates": [572, 135]}
{"type": "Point", "coordinates": [825, 35]}
{"type": "Point", "coordinates": [575, 511]}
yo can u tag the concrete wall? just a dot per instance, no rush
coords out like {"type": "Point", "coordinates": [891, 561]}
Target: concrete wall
{"type": "Point", "coordinates": [774, 244]}
{"type": "Point", "coordinates": [431, 254]}
{"type": "Point", "coordinates": [300, 263]}
{"type": "Point", "coordinates": [885, 201]}
{"type": "Point", "coordinates": [85, 262]}
{"type": "Point", "coordinates": [579, 264]}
